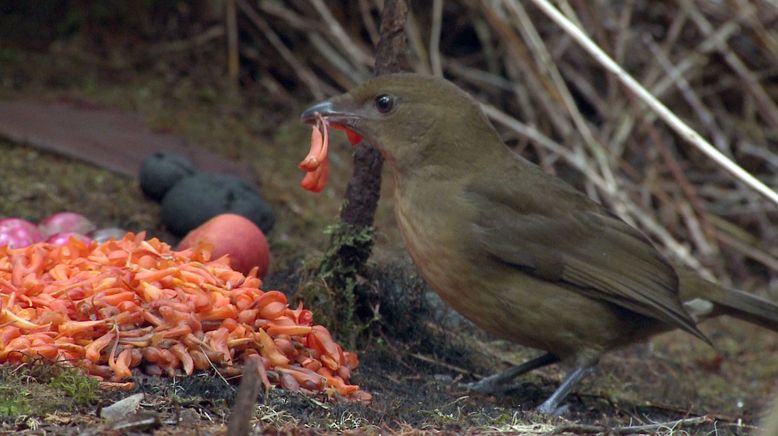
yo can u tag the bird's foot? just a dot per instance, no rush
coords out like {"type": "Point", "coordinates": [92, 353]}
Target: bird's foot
{"type": "Point", "coordinates": [552, 405]}
{"type": "Point", "coordinates": [550, 409]}
{"type": "Point", "coordinates": [489, 386]}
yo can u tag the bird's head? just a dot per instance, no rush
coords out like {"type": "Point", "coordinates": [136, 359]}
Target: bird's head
{"type": "Point", "coordinates": [413, 119]}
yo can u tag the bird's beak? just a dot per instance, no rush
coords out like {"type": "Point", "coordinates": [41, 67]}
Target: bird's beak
{"type": "Point", "coordinates": [332, 111]}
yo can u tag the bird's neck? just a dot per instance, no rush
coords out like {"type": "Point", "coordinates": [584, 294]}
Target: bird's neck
{"type": "Point", "coordinates": [448, 154]}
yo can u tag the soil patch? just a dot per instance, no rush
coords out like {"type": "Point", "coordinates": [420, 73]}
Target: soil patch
{"type": "Point", "coordinates": [112, 139]}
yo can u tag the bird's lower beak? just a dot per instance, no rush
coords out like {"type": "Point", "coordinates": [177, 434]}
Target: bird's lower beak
{"type": "Point", "coordinates": [331, 111]}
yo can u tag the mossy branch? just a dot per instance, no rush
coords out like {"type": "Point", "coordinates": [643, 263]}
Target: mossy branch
{"type": "Point", "coordinates": [352, 239]}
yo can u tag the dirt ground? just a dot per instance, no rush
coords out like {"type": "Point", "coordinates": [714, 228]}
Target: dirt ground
{"type": "Point", "coordinates": [413, 366]}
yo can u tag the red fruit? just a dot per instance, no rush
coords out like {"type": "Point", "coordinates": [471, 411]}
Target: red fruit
{"type": "Point", "coordinates": [236, 236]}
{"type": "Point", "coordinates": [18, 233]}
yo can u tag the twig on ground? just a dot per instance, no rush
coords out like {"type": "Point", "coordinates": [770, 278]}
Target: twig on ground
{"type": "Point", "coordinates": [245, 400]}
{"type": "Point", "coordinates": [669, 426]}
{"type": "Point", "coordinates": [442, 364]}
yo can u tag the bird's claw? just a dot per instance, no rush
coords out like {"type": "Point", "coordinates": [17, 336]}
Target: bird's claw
{"type": "Point", "coordinates": [485, 386]}
{"type": "Point", "coordinates": [478, 387]}
{"type": "Point", "coordinates": [553, 409]}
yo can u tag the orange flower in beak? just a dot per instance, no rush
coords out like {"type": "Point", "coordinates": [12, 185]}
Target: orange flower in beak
{"type": "Point", "coordinates": [316, 163]}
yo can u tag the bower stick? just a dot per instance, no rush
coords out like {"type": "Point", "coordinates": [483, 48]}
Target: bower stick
{"type": "Point", "coordinates": [352, 239]}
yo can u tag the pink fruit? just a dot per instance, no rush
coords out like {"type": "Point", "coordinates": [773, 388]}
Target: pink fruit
{"type": "Point", "coordinates": [65, 222]}
{"type": "Point", "coordinates": [236, 236]}
{"type": "Point", "coordinates": [62, 238]}
{"type": "Point", "coordinates": [18, 233]}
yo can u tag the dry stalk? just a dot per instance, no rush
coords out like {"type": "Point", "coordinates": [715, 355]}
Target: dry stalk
{"type": "Point", "coordinates": [666, 114]}
{"type": "Point", "coordinates": [304, 73]}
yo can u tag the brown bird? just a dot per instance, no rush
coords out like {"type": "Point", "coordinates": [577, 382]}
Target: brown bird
{"type": "Point", "coordinates": [519, 252]}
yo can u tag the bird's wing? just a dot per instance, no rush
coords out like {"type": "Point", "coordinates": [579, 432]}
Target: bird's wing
{"type": "Point", "coordinates": [560, 235]}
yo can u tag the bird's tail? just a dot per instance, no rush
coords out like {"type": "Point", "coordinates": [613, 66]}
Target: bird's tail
{"type": "Point", "coordinates": [728, 301]}
{"type": "Point", "coordinates": [745, 306]}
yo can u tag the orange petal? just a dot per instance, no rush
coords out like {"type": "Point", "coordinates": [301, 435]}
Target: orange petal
{"type": "Point", "coordinates": [93, 350]}
{"type": "Point", "coordinates": [316, 162]}
{"type": "Point", "coordinates": [291, 330]}
{"type": "Point", "coordinates": [319, 145]}
{"type": "Point", "coordinates": [121, 365]}
{"type": "Point", "coordinates": [186, 360]}
{"type": "Point", "coordinates": [269, 351]}
{"type": "Point", "coordinates": [320, 340]}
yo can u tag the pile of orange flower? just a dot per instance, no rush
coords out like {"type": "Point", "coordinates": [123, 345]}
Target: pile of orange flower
{"type": "Point", "coordinates": [136, 303]}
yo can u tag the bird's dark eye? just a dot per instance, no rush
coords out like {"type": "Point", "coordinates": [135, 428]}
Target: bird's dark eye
{"type": "Point", "coordinates": [384, 103]}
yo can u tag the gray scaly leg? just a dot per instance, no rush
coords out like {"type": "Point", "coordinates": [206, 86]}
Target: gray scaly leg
{"type": "Point", "coordinates": [551, 405]}
{"type": "Point", "coordinates": [499, 382]}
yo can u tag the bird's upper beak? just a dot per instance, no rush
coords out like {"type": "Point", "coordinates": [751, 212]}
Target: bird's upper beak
{"type": "Point", "coordinates": [333, 111]}
{"type": "Point", "coordinates": [336, 111]}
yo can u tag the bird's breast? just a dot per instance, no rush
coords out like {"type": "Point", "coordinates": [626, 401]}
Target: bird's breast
{"type": "Point", "coordinates": [433, 227]}
{"type": "Point", "coordinates": [429, 233]}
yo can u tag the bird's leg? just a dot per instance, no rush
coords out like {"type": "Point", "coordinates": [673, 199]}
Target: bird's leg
{"type": "Point", "coordinates": [551, 405]}
{"type": "Point", "coordinates": [498, 382]}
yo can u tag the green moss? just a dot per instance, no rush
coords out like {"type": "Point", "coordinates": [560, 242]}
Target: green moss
{"type": "Point", "coordinates": [350, 247]}
{"type": "Point", "coordinates": [14, 401]}
{"type": "Point", "coordinates": [75, 384]}
{"type": "Point", "coordinates": [38, 389]}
